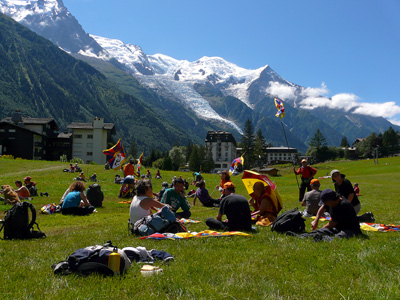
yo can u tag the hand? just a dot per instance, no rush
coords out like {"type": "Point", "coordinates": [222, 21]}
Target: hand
{"type": "Point", "coordinates": [314, 224]}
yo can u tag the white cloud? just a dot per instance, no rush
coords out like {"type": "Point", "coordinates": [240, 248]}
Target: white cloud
{"type": "Point", "coordinates": [283, 91]}
{"type": "Point", "coordinates": [310, 98]}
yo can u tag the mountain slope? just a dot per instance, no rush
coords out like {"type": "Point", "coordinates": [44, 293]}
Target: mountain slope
{"type": "Point", "coordinates": [44, 81]}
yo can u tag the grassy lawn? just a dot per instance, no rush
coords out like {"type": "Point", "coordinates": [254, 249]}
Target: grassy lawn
{"type": "Point", "coordinates": [266, 266]}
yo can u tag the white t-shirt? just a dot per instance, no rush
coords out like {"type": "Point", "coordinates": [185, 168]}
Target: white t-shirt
{"type": "Point", "coordinates": [136, 212]}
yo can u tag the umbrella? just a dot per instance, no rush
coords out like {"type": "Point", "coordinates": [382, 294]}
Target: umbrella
{"type": "Point", "coordinates": [250, 178]}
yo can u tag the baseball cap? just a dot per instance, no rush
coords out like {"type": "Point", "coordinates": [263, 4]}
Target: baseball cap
{"type": "Point", "coordinates": [314, 182]}
{"type": "Point", "coordinates": [304, 160]}
{"type": "Point", "coordinates": [326, 196]}
{"type": "Point", "coordinates": [27, 178]}
{"type": "Point", "coordinates": [129, 180]}
{"type": "Point", "coordinates": [334, 171]}
{"type": "Point", "coordinates": [229, 185]}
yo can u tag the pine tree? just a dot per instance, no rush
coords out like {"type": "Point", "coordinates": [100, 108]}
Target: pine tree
{"type": "Point", "coordinates": [344, 143]}
{"type": "Point", "coordinates": [195, 159]}
{"type": "Point", "coordinates": [318, 147]}
{"type": "Point", "coordinates": [390, 141]}
{"type": "Point", "coordinates": [248, 144]}
{"type": "Point", "coordinates": [259, 146]}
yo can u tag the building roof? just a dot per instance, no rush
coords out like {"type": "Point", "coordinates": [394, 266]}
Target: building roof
{"type": "Point", "coordinates": [73, 125]}
{"type": "Point", "coordinates": [32, 121]}
{"type": "Point", "coordinates": [3, 123]}
{"type": "Point", "coordinates": [223, 136]}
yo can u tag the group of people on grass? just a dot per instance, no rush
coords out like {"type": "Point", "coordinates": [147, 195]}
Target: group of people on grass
{"type": "Point", "coordinates": [22, 191]}
{"type": "Point", "coordinates": [342, 203]}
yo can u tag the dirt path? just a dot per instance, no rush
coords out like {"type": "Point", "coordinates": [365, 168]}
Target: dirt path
{"type": "Point", "coordinates": [31, 171]}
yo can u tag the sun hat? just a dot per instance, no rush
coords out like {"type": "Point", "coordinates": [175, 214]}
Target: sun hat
{"type": "Point", "coordinates": [334, 171]}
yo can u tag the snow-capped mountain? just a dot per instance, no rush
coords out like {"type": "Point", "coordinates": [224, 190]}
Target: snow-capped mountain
{"type": "Point", "coordinates": [210, 88]}
{"type": "Point", "coordinates": [52, 20]}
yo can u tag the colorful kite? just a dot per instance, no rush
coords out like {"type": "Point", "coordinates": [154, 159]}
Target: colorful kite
{"type": "Point", "coordinates": [116, 155]}
{"type": "Point", "coordinates": [236, 166]}
{"type": "Point", "coordinates": [280, 108]}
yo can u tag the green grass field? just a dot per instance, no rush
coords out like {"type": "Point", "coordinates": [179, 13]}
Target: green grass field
{"type": "Point", "coordinates": [266, 266]}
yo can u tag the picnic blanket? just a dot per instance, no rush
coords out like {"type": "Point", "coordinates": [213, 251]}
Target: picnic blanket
{"type": "Point", "coordinates": [188, 221]}
{"type": "Point", "coordinates": [187, 235]}
{"type": "Point", "coordinates": [379, 227]}
{"type": "Point", "coordinates": [322, 218]}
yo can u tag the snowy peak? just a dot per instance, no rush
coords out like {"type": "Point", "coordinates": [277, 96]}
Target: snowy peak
{"type": "Point", "coordinates": [52, 20]}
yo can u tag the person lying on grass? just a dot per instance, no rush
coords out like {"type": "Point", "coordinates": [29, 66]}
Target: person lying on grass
{"type": "Point", "coordinates": [343, 221]}
{"type": "Point", "coordinates": [143, 202]}
{"type": "Point", "coordinates": [75, 202]}
{"type": "Point", "coordinates": [237, 210]}
{"type": "Point", "coordinates": [176, 199]}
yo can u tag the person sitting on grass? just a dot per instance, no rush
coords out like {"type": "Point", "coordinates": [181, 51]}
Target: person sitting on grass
{"type": "Point", "coordinates": [356, 189]}
{"type": "Point", "coordinates": [127, 187]}
{"type": "Point", "coordinates": [158, 174]}
{"type": "Point", "coordinates": [344, 221]}
{"type": "Point", "coordinates": [143, 202]}
{"type": "Point", "coordinates": [311, 199]}
{"type": "Point", "coordinates": [203, 195]}
{"type": "Point", "coordinates": [22, 191]}
{"type": "Point", "coordinates": [344, 187]}
{"type": "Point", "coordinates": [31, 185]}
{"type": "Point", "coordinates": [237, 210]}
{"type": "Point", "coordinates": [265, 208]}
{"type": "Point", "coordinates": [176, 199]}
{"type": "Point", "coordinates": [75, 202]}
{"type": "Point", "coordinates": [148, 174]}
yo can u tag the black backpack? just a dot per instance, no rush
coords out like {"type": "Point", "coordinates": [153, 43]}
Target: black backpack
{"type": "Point", "coordinates": [95, 195]}
{"type": "Point", "coordinates": [93, 259]}
{"type": "Point", "coordinates": [16, 223]}
{"type": "Point", "coordinates": [291, 220]}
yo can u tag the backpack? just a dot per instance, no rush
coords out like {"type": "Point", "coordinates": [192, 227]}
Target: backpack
{"type": "Point", "coordinates": [95, 195]}
{"type": "Point", "coordinates": [290, 220]}
{"type": "Point", "coordinates": [33, 190]}
{"type": "Point", "coordinates": [16, 223]}
{"type": "Point", "coordinates": [162, 221]}
{"type": "Point", "coordinates": [93, 259]}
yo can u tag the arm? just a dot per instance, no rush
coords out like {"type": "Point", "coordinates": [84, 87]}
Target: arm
{"type": "Point", "coordinates": [84, 199]}
{"type": "Point", "coordinates": [219, 217]}
{"type": "Point", "coordinates": [194, 199]}
{"type": "Point", "coordinates": [314, 224]}
{"type": "Point", "coordinates": [296, 172]}
{"type": "Point", "coordinates": [331, 224]}
{"type": "Point", "coordinates": [350, 197]}
{"type": "Point", "coordinates": [303, 203]}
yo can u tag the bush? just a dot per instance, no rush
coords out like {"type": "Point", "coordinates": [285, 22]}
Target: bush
{"type": "Point", "coordinates": [77, 160]}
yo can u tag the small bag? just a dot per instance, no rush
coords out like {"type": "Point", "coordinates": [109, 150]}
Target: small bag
{"type": "Point", "coordinates": [16, 223]}
{"type": "Point", "coordinates": [290, 220]}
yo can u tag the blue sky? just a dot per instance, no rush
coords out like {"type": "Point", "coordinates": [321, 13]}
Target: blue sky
{"type": "Point", "coordinates": [345, 49]}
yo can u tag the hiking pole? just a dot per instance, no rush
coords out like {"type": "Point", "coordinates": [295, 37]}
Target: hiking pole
{"type": "Point", "coordinates": [213, 192]}
{"type": "Point", "coordinates": [287, 143]}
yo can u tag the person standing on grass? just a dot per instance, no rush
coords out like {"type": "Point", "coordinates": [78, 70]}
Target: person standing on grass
{"type": "Point", "coordinates": [129, 168]}
{"type": "Point", "coordinates": [237, 210]}
{"type": "Point", "coordinates": [311, 199]}
{"type": "Point", "coordinates": [175, 198]}
{"type": "Point", "coordinates": [307, 174]}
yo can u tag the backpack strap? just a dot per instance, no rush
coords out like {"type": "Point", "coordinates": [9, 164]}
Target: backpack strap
{"type": "Point", "coordinates": [33, 211]}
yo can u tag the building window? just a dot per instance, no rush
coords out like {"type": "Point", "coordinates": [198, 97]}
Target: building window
{"type": "Point", "coordinates": [2, 130]}
{"type": "Point", "coordinates": [77, 136]}
{"type": "Point", "coordinates": [11, 130]}
{"type": "Point", "coordinates": [78, 145]}
{"type": "Point", "coordinates": [90, 136]}
{"type": "Point", "coordinates": [77, 154]}
{"type": "Point", "coordinates": [89, 145]}
{"type": "Point", "coordinates": [89, 153]}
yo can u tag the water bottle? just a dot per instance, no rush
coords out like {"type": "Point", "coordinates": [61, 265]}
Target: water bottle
{"type": "Point", "coordinates": [114, 261]}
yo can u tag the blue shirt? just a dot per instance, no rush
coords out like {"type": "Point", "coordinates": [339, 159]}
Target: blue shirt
{"type": "Point", "coordinates": [73, 199]}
